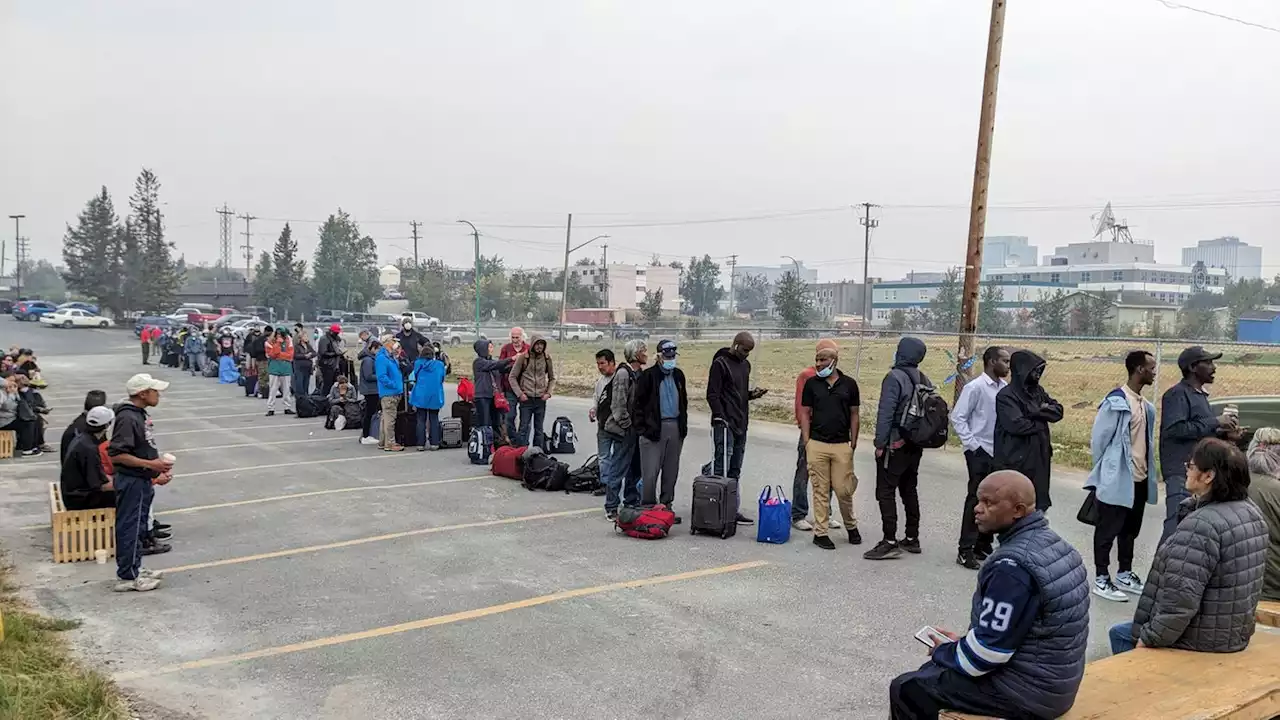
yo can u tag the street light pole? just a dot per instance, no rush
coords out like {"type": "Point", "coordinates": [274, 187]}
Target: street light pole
{"type": "Point", "coordinates": [475, 234]}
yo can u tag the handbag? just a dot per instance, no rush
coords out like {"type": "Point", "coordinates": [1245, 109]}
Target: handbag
{"type": "Point", "coordinates": [500, 403]}
{"type": "Point", "coordinates": [774, 518]}
{"type": "Point", "coordinates": [1088, 513]}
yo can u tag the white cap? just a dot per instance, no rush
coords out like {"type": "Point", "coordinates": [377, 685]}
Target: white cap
{"type": "Point", "coordinates": [99, 417]}
{"type": "Point", "coordinates": [143, 382]}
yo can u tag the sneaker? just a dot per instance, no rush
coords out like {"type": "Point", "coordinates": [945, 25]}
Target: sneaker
{"type": "Point", "coordinates": [422, 448]}
{"type": "Point", "coordinates": [33, 452]}
{"type": "Point", "coordinates": [824, 542]}
{"type": "Point", "coordinates": [855, 537]}
{"type": "Point", "coordinates": [967, 560]}
{"type": "Point", "coordinates": [884, 550]}
{"type": "Point", "coordinates": [161, 534]}
{"type": "Point", "coordinates": [151, 574]}
{"type": "Point", "coordinates": [677, 521]}
{"type": "Point", "coordinates": [433, 448]}
{"type": "Point", "coordinates": [1103, 588]}
{"type": "Point", "coordinates": [289, 412]}
{"type": "Point", "coordinates": [744, 520]}
{"type": "Point", "coordinates": [393, 448]}
{"type": "Point", "coordinates": [156, 548]}
{"type": "Point", "coordinates": [270, 413]}
{"type": "Point", "coordinates": [157, 525]}
{"type": "Point", "coordinates": [142, 584]}
{"type": "Point", "coordinates": [834, 524]}
{"type": "Point", "coordinates": [911, 545]}
{"type": "Point", "coordinates": [46, 448]}
{"type": "Point", "coordinates": [611, 515]}
{"type": "Point", "coordinates": [340, 423]}
{"type": "Point", "coordinates": [802, 525]}
{"type": "Point", "coordinates": [1129, 582]}
{"type": "Point", "coordinates": [981, 553]}
{"type": "Point", "coordinates": [368, 441]}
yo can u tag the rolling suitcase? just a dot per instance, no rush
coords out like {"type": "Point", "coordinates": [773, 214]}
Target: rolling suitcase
{"type": "Point", "coordinates": [715, 503]}
{"type": "Point", "coordinates": [407, 429]}
{"type": "Point", "coordinates": [465, 412]}
{"type": "Point", "coordinates": [451, 433]}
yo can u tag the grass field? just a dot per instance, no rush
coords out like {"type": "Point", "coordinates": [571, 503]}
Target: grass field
{"type": "Point", "coordinates": [1079, 374]}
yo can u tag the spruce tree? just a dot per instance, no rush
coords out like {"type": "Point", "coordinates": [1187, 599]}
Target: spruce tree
{"type": "Point", "coordinates": [91, 252]}
{"type": "Point", "coordinates": [287, 273]}
{"type": "Point", "coordinates": [264, 282]}
{"type": "Point", "coordinates": [158, 278]}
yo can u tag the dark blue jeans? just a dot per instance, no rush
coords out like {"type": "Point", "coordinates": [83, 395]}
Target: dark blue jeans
{"type": "Point", "coordinates": [131, 501]}
{"type": "Point", "coordinates": [729, 445]}
{"type": "Point", "coordinates": [301, 378]}
{"type": "Point", "coordinates": [428, 419]}
{"type": "Point", "coordinates": [616, 455]}
{"type": "Point", "coordinates": [533, 410]}
{"type": "Point", "coordinates": [800, 485]}
{"type": "Point", "coordinates": [1121, 637]}
{"type": "Point", "coordinates": [1175, 491]}
{"type": "Point", "coordinates": [513, 400]}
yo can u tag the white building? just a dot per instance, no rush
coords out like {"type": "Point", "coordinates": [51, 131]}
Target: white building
{"type": "Point", "coordinates": [623, 286]}
{"type": "Point", "coordinates": [389, 277]}
{"type": "Point", "coordinates": [772, 273]}
{"type": "Point", "coordinates": [1008, 251]}
{"type": "Point", "coordinates": [1241, 260]}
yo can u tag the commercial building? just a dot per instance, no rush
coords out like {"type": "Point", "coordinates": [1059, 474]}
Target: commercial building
{"type": "Point", "coordinates": [1000, 251]}
{"type": "Point", "coordinates": [623, 286]}
{"type": "Point", "coordinates": [838, 298]}
{"type": "Point", "coordinates": [1262, 326]}
{"type": "Point", "coordinates": [1241, 260]}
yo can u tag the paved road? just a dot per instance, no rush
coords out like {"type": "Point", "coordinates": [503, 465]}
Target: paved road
{"type": "Point", "coordinates": [314, 577]}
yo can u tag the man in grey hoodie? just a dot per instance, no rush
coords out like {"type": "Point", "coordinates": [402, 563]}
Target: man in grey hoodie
{"type": "Point", "coordinates": [898, 461]}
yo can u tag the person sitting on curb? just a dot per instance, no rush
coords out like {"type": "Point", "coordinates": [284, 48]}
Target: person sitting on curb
{"type": "Point", "coordinates": [92, 399]}
{"type": "Point", "coordinates": [341, 396]}
{"type": "Point", "coordinates": [85, 482]}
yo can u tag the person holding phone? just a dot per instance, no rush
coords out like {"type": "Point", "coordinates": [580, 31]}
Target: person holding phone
{"type": "Point", "coordinates": [728, 392]}
{"type": "Point", "coordinates": [1023, 656]}
{"type": "Point", "coordinates": [138, 468]}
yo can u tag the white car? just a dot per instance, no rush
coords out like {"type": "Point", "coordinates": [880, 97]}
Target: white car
{"type": "Point", "coordinates": [74, 317]}
{"type": "Point", "coordinates": [240, 328]}
{"type": "Point", "coordinates": [421, 319]}
{"type": "Point", "coordinates": [456, 335]}
{"type": "Point", "coordinates": [579, 332]}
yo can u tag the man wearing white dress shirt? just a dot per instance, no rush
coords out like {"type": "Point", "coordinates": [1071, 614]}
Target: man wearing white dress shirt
{"type": "Point", "coordinates": [974, 419]}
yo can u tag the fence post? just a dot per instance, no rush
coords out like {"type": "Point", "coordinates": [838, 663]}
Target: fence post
{"type": "Point", "coordinates": [1155, 386]}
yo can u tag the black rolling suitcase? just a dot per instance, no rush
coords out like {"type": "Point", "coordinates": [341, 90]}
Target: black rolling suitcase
{"type": "Point", "coordinates": [466, 412]}
{"type": "Point", "coordinates": [715, 502]}
{"type": "Point", "coordinates": [406, 424]}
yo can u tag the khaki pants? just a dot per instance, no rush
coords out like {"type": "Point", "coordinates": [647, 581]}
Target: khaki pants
{"type": "Point", "coordinates": [831, 468]}
{"type": "Point", "coordinates": [264, 379]}
{"type": "Point", "coordinates": [390, 405]}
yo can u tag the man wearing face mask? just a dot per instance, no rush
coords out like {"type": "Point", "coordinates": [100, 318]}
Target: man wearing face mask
{"type": "Point", "coordinates": [728, 392]}
{"type": "Point", "coordinates": [829, 430]}
{"type": "Point", "coordinates": [410, 339]}
{"type": "Point", "coordinates": [660, 417]}
{"type": "Point", "coordinates": [1024, 411]}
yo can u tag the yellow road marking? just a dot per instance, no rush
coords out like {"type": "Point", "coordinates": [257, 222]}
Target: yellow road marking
{"type": "Point", "coordinates": [379, 538]}
{"type": "Point", "coordinates": [295, 496]}
{"type": "Point", "coordinates": [439, 620]}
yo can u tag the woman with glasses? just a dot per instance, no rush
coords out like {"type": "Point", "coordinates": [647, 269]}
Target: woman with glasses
{"type": "Point", "coordinates": [1202, 591]}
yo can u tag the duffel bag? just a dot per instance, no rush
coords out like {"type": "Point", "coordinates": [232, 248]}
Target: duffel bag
{"type": "Point", "coordinates": [508, 462]}
{"type": "Point", "coordinates": [585, 479]}
{"type": "Point", "coordinates": [646, 523]}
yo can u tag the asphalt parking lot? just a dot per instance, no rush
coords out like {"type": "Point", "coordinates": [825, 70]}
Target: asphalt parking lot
{"type": "Point", "coordinates": [312, 577]}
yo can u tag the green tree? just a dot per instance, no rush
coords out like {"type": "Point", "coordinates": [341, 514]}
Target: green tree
{"type": "Point", "coordinates": [288, 274]}
{"type": "Point", "coordinates": [991, 319]}
{"type": "Point", "coordinates": [345, 268]}
{"type": "Point", "coordinates": [132, 269]}
{"type": "Point", "coordinates": [651, 306]}
{"type": "Point", "coordinates": [751, 293]}
{"type": "Point", "coordinates": [1050, 314]}
{"type": "Point", "coordinates": [160, 279]}
{"type": "Point", "coordinates": [1199, 318]}
{"type": "Point", "coordinates": [41, 280]}
{"type": "Point", "coordinates": [700, 286]}
{"type": "Point", "coordinates": [264, 287]}
{"type": "Point", "coordinates": [918, 319]}
{"type": "Point", "coordinates": [897, 320]}
{"type": "Point", "coordinates": [1243, 296]}
{"type": "Point", "coordinates": [793, 303]}
{"type": "Point", "coordinates": [91, 253]}
{"type": "Point", "coordinates": [944, 307]}
{"type": "Point", "coordinates": [437, 293]}
{"type": "Point", "coordinates": [1091, 317]}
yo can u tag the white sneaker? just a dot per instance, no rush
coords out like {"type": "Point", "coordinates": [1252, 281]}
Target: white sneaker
{"type": "Point", "coordinates": [1103, 588]}
{"type": "Point", "coordinates": [368, 441]}
{"type": "Point", "coordinates": [834, 524]}
{"type": "Point", "coordinates": [340, 423]}
{"type": "Point", "coordinates": [149, 573]}
{"type": "Point", "coordinates": [1129, 582]}
{"type": "Point", "coordinates": [142, 584]}
{"type": "Point", "coordinates": [802, 524]}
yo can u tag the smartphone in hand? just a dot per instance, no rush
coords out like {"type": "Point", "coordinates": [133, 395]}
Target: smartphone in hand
{"type": "Point", "coordinates": [931, 637]}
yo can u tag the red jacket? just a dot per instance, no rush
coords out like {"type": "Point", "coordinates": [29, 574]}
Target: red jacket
{"type": "Point", "coordinates": [801, 379]}
{"type": "Point", "coordinates": [510, 351]}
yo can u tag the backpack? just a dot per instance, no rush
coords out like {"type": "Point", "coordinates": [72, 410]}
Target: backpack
{"type": "Point", "coordinates": [924, 420]}
{"type": "Point", "coordinates": [562, 439]}
{"type": "Point", "coordinates": [544, 473]}
{"type": "Point", "coordinates": [586, 478]}
{"type": "Point", "coordinates": [646, 523]}
{"type": "Point", "coordinates": [480, 444]}
{"type": "Point", "coordinates": [466, 390]}
{"type": "Point", "coordinates": [508, 462]}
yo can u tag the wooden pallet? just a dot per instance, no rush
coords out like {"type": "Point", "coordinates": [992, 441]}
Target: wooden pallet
{"type": "Point", "coordinates": [78, 533]}
{"type": "Point", "coordinates": [8, 443]}
{"type": "Point", "coordinates": [1269, 613]}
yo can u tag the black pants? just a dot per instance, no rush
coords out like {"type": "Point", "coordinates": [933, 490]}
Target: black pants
{"type": "Point", "coordinates": [898, 471]}
{"type": "Point", "coordinates": [980, 465]}
{"type": "Point", "coordinates": [24, 432]}
{"type": "Point", "coordinates": [328, 376]}
{"type": "Point", "coordinates": [372, 405]}
{"type": "Point", "coordinates": [146, 355]}
{"type": "Point", "coordinates": [932, 689]}
{"type": "Point", "coordinates": [1115, 521]}
{"type": "Point", "coordinates": [91, 500]}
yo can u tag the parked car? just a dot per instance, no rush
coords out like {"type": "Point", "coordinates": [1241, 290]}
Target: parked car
{"type": "Point", "coordinates": [233, 318]}
{"type": "Point", "coordinates": [160, 321]}
{"type": "Point", "coordinates": [6, 306]}
{"type": "Point", "coordinates": [421, 319]}
{"type": "Point", "coordinates": [456, 335]}
{"type": "Point", "coordinates": [240, 328]}
{"type": "Point", "coordinates": [87, 307]}
{"type": "Point", "coordinates": [258, 311]}
{"type": "Point", "coordinates": [578, 332]}
{"type": "Point", "coordinates": [392, 295]}
{"type": "Point", "coordinates": [1256, 411]}
{"type": "Point", "coordinates": [627, 331]}
{"type": "Point", "coordinates": [326, 315]}
{"type": "Point", "coordinates": [74, 317]}
{"type": "Point", "coordinates": [31, 310]}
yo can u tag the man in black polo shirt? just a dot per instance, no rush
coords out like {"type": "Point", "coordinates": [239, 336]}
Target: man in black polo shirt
{"type": "Point", "coordinates": [829, 429]}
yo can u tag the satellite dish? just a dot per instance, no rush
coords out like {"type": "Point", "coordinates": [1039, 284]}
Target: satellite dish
{"type": "Point", "coordinates": [528, 315]}
{"type": "Point", "coordinates": [1105, 222]}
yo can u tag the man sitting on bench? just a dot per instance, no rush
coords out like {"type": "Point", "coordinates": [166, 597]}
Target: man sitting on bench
{"type": "Point", "coordinates": [1023, 656]}
{"type": "Point", "coordinates": [86, 483]}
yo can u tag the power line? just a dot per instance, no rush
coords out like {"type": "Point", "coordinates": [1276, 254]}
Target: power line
{"type": "Point", "coordinates": [1179, 6]}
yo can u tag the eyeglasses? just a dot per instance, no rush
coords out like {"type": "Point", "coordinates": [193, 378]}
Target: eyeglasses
{"type": "Point", "coordinates": [1189, 465]}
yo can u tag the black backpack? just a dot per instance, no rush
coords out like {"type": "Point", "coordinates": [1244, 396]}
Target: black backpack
{"type": "Point", "coordinates": [562, 440]}
{"type": "Point", "coordinates": [544, 473]}
{"type": "Point", "coordinates": [924, 420]}
{"type": "Point", "coordinates": [585, 479]}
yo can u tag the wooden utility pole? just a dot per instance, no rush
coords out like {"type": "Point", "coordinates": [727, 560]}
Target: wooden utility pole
{"type": "Point", "coordinates": [868, 224]}
{"type": "Point", "coordinates": [417, 266]}
{"type": "Point", "coordinates": [978, 204]}
{"type": "Point", "coordinates": [564, 293]}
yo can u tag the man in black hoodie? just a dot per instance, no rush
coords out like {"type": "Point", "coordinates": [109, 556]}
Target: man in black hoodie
{"type": "Point", "coordinates": [898, 461]}
{"type": "Point", "coordinates": [1023, 413]}
{"type": "Point", "coordinates": [139, 468]}
{"type": "Point", "coordinates": [92, 399]}
{"type": "Point", "coordinates": [728, 392]}
{"type": "Point", "coordinates": [255, 344]}
{"type": "Point", "coordinates": [330, 351]}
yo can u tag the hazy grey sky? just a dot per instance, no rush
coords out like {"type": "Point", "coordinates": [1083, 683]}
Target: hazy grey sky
{"type": "Point", "coordinates": [516, 112]}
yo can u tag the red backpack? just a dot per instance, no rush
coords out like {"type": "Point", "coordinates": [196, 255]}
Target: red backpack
{"type": "Point", "coordinates": [466, 390]}
{"type": "Point", "coordinates": [508, 462]}
{"type": "Point", "coordinates": [651, 523]}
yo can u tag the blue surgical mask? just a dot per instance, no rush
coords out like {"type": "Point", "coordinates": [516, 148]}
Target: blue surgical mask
{"type": "Point", "coordinates": [669, 365]}
{"type": "Point", "coordinates": [826, 371]}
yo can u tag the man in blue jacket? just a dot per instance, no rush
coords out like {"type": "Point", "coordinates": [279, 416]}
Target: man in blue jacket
{"type": "Point", "coordinates": [390, 390]}
{"type": "Point", "coordinates": [1123, 446]}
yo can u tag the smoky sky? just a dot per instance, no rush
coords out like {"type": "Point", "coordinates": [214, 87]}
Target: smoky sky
{"type": "Point", "coordinates": [515, 113]}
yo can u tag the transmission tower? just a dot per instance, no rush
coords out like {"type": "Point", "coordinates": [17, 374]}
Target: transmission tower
{"type": "Point", "coordinates": [224, 245]}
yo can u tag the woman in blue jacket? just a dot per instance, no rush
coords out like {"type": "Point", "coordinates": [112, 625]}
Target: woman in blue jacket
{"type": "Point", "coordinates": [1123, 447]}
{"type": "Point", "coordinates": [427, 396]}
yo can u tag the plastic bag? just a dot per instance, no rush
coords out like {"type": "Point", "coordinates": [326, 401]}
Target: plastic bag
{"type": "Point", "coordinates": [773, 524]}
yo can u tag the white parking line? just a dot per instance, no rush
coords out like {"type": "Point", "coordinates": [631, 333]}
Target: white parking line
{"type": "Point", "coordinates": [181, 451]}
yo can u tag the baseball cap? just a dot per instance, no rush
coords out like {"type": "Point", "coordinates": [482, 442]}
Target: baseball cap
{"type": "Point", "coordinates": [99, 417]}
{"type": "Point", "coordinates": [143, 382]}
{"type": "Point", "coordinates": [1193, 355]}
{"type": "Point", "coordinates": [335, 328]}
{"type": "Point", "coordinates": [667, 348]}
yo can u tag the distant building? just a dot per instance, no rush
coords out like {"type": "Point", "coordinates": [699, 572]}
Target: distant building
{"type": "Point", "coordinates": [218, 293]}
{"type": "Point", "coordinates": [773, 273]}
{"type": "Point", "coordinates": [389, 276]}
{"type": "Point", "coordinates": [1000, 251]}
{"type": "Point", "coordinates": [1102, 252]}
{"type": "Point", "coordinates": [1241, 260]}
{"type": "Point", "coordinates": [837, 298]}
{"type": "Point", "coordinates": [1262, 326]}
{"type": "Point", "coordinates": [623, 286]}
{"type": "Point", "coordinates": [1131, 313]}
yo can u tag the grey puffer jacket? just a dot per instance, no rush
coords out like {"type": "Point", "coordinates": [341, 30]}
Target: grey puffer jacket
{"type": "Point", "coordinates": [1205, 580]}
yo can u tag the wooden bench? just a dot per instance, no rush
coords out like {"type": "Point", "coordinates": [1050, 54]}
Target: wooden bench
{"type": "Point", "coordinates": [8, 443]}
{"type": "Point", "coordinates": [1269, 613]}
{"type": "Point", "coordinates": [78, 533]}
{"type": "Point", "coordinates": [1162, 684]}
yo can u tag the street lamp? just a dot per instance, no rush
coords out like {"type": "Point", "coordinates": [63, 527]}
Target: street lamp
{"type": "Point", "coordinates": [476, 235]}
{"type": "Point", "coordinates": [794, 262]}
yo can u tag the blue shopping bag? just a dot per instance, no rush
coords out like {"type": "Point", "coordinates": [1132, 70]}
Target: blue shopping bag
{"type": "Point", "coordinates": [773, 523]}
